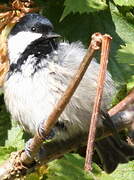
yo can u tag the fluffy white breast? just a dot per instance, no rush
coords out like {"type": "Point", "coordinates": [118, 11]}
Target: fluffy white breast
{"type": "Point", "coordinates": [30, 99]}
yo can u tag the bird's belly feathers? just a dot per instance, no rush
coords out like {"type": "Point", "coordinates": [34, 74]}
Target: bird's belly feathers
{"type": "Point", "coordinates": [31, 99]}
{"type": "Point", "coordinates": [28, 100]}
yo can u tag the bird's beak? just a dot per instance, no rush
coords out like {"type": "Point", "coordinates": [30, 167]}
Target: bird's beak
{"type": "Point", "coordinates": [52, 35]}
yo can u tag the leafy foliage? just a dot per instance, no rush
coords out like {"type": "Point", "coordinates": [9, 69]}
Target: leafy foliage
{"type": "Point", "coordinates": [126, 54]}
{"type": "Point", "coordinates": [15, 138]}
{"type": "Point", "coordinates": [5, 153]}
{"type": "Point", "coordinates": [130, 83]}
{"type": "Point", "coordinates": [124, 2]}
{"type": "Point", "coordinates": [124, 172]}
{"type": "Point", "coordinates": [70, 167]}
{"type": "Point", "coordinates": [76, 26]}
{"type": "Point", "coordinates": [86, 6]}
{"type": "Point", "coordinates": [13, 143]}
{"type": "Point", "coordinates": [12, 139]}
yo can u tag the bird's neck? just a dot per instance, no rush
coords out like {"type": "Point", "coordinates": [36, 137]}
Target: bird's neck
{"type": "Point", "coordinates": [18, 43]}
{"type": "Point", "coordinates": [35, 52]}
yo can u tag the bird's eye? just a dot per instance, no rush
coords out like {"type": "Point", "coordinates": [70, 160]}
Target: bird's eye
{"type": "Point", "coordinates": [33, 29]}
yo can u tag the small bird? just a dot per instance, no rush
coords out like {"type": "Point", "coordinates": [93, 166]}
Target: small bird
{"type": "Point", "coordinates": [41, 68]}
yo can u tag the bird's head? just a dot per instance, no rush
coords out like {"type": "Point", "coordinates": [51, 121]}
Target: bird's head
{"type": "Point", "coordinates": [32, 27]}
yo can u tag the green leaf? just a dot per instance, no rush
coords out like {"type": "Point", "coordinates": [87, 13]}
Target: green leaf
{"type": "Point", "coordinates": [123, 91]}
{"type": "Point", "coordinates": [130, 83]}
{"type": "Point", "coordinates": [80, 27]}
{"type": "Point", "coordinates": [32, 176]}
{"type": "Point", "coordinates": [5, 122]}
{"type": "Point", "coordinates": [72, 167]}
{"type": "Point", "coordinates": [124, 172]}
{"type": "Point", "coordinates": [15, 138]}
{"type": "Point", "coordinates": [124, 2]}
{"type": "Point", "coordinates": [5, 153]}
{"type": "Point", "coordinates": [86, 6]}
{"type": "Point", "coordinates": [126, 54]}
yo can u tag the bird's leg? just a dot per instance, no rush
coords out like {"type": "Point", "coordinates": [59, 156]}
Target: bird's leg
{"type": "Point", "coordinates": [42, 134]}
{"type": "Point", "coordinates": [59, 127]}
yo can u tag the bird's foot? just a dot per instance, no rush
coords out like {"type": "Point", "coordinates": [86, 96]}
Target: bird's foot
{"type": "Point", "coordinates": [42, 133]}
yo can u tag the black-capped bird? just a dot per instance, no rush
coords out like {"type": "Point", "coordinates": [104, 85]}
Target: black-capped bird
{"type": "Point", "coordinates": [40, 70]}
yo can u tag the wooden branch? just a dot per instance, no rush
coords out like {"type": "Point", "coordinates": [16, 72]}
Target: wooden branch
{"type": "Point", "coordinates": [54, 150]}
{"type": "Point", "coordinates": [129, 99]}
{"type": "Point", "coordinates": [73, 84]}
{"type": "Point", "coordinates": [37, 140]}
{"type": "Point", "coordinates": [97, 102]}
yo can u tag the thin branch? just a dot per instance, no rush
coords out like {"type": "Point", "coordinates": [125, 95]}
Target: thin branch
{"type": "Point", "coordinates": [56, 149]}
{"type": "Point", "coordinates": [37, 140]}
{"type": "Point", "coordinates": [58, 109]}
{"type": "Point", "coordinates": [94, 45]}
{"type": "Point", "coordinates": [129, 99]}
{"type": "Point", "coordinates": [96, 108]}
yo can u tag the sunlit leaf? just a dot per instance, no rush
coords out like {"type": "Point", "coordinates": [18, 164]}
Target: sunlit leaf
{"type": "Point", "coordinates": [124, 2]}
{"type": "Point", "coordinates": [5, 153]}
{"type": "Point", "coordinates": [124, 172]}
{"type": "Point", "coordinates": [72, 167]}
{"type": "Point", "coordinates": [85, 6]}
{"type": "Point", "coordinates": [126, 54]}
{"type": "Point", "coordinates": [130, 83]}
{"type": "Point", "coordinates": [15, 138]}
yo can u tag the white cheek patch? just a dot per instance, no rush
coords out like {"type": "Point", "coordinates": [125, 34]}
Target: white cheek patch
{"type": "Point", "coordinates": [18, 43]}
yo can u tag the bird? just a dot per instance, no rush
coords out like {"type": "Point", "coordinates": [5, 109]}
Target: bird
{"type": "Point", "coordinates": [41, 67]}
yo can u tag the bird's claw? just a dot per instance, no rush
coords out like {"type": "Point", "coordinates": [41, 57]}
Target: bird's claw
{"type": "Point", "coordinates": [42, 134]}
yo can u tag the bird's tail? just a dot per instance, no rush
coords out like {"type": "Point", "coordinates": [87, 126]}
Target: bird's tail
{"type": "Point", "coordinates": [112, 153]}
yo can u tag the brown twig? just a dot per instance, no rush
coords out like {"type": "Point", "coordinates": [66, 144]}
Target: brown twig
{"type": "Point", "coordinates": [96, 108]}
{"type": "Point", "coordinates": [94, 45]}
{"type": "Point", "coordinates": [129, 99]}
{"type": "Point", "coordinates": [56, 149]}
{"type": "Point", "coordinates": [37, 140]}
